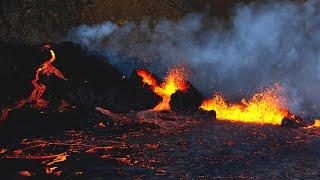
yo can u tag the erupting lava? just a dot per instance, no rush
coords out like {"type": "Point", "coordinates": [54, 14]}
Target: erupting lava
{"type": "Point", "coordinates": [36, 96]}
{"type": "Point", "coordinates": [267, 107]}
{"type": "Point", "coordinates": [172, 83]}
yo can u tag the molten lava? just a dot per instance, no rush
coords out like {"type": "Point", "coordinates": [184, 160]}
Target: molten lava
{"type": "Point", "coordinates": [172, 83]}
{"type": "Point", "coordinates": [315, 125]}
{"type": "Point", "coordinates": [47, 69]}
{"type": "Point", "coordinates": [25, 173]}
{"type": "Point", "coordinates": [266, 107]}
{"type": "Point", "coordinates": [36, 96]}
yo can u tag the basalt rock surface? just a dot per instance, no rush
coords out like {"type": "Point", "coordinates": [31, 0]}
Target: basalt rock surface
{"type": "Point", "coordinates": [187, 101]}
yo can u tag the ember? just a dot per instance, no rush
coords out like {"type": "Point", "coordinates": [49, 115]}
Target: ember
{"type": "Point", "coordinates": [172, 83]}
{"type": "Point", "coordinates": [266, 107]}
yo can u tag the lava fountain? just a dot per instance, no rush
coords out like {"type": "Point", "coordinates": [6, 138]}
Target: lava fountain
{"type": "Point", "coordinates": [173, 82]}
{"type": "Point", "coordinates": [266, 107]}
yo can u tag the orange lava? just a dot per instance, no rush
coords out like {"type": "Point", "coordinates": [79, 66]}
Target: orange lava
{"type": "Point", "coordinates": [36, 96]}
{"type": "Point", "coordinates": [171, 84]}
{"type": "Point", "coordinates": [316, 124]}
{"type": "Point", "coordinates": [266, 107]}
{"type": "Point", "coordinates": [49, 170]}
{"type": "Point", "coordinates": [59, 158]}
{"type": "Point", "coordinates": [53, 171]}
{"type": "Point", "coordinates": [25, 173]}
{"type": "Point", "coordinates": [126, 160]}
{"type": "Point", "coordinates": [102, 125]}
{"type": "Point", "coordinates": [3, 151]}
{"type": "Point", "coordinates": [46, 69]}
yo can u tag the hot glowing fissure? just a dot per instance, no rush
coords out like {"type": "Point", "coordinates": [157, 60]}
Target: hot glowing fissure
{"type": "Point", "coordinates": [36, 96]}
{"type": "Point", "coordinates": [172, 83]}
{"type": "Point", "coordinates": [267, 107]}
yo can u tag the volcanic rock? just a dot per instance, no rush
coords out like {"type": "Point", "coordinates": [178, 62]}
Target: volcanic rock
{"type": "Point", "coordinates": [142, 96]}
{"type": "Point", "coordinates": [29, 121]}
{"type": "Point", "coordinates": [186, 101]}
{"type": "Point", "coordinates": [292, 121]}
{"type": "Point", "coordinates": [97, 83]}
{"type": "Point", "coordinates": [210, 115]}
{"type": "Point", "coordinates": [91, 81]}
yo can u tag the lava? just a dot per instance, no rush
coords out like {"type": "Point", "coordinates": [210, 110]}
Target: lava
{"type": "Point", "coordinates": [59, 158]}
{"type": "Point", "coordinates": [315, 125]}
{"type": "Point", "coordinates": [36, 96]}
{"type": "Point", "coordinates": [267, 107]}
{"type": "Point", "coordinates": [47, 69]}
{"type": "Point", "coordinates": [25, 173]}
{"type": "Point", "coordinates": [174, 82]}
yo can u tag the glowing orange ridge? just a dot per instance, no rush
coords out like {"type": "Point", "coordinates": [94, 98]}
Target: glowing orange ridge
{"type": "Point", "coordinates": [267, 107]}
{"type": "Point", "coordinates": [172, 83]}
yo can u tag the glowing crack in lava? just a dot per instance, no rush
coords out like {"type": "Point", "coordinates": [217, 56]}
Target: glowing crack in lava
{"type": "Point", "coordinates": [46, 68]}
{"type": "Point", "coordinates": [266, 107]}
{"type": "Point", "coordinates": [36, 96]}
{"type": "Point", "coordinates": [173, 82]}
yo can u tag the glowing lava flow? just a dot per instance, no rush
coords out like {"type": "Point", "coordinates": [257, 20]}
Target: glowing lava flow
{"type": "Point", "coordinates": [36, 96]}
{"type": "Point", "coordinates": [46, 68]}
{"type": "Point", "coordinates": [267, 107]}
{"type": "Point", "coordinates": [172, 83]}
{"type": "Point", "coordinates": [315, 125]}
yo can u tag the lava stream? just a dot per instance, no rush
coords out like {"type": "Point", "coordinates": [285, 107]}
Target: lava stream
{"type": "Point", "coordinates": [267, 107]}
{"type": "Point", "coordinates": [36, 96]}
{"type": "Point", "coordinates": [171, 84]}
{"type": "Point", "coordinates": [315, 125]}
{"type": "Point", "coordinates": [46, 68]}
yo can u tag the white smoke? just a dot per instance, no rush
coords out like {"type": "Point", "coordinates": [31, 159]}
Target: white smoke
{"type": "Point", "coordinates": [90, 35]}
{"type": "Point", "coordinates": [264, 43]}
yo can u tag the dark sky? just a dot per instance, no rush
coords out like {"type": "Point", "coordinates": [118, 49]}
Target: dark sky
{"type": "Point", "coordinates": [135, 10]}
{"type": "Point", "coordinates": [36, 21]}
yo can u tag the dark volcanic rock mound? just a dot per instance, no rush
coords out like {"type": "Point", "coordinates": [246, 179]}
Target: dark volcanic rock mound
{"type": "Point", "coordinates": [143, 97]}
{"type": "Point", "coordinates": [292, 121]}
{"type": "Point", "coordinates": [186, 101]}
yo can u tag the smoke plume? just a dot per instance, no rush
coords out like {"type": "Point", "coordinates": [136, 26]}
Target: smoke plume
{"type": "Point", "coordinates": [263, 43]}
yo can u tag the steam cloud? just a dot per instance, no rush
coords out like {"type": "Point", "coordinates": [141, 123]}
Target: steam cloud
{"type": "Point", "coordinates": [262, 44]}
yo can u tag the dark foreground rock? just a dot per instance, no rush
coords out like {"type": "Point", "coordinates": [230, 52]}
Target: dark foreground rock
{"type": "Point", "coordinates": [144, 98]}
{"type": "Point", "coordinates": [209, 115]}
{"type": "Point", "coordinates": [187, 101]}
{"type": "Point", "coordinates": [293, 121]}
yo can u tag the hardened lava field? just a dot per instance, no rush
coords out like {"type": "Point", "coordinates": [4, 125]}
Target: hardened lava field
{"type": "Point", "coordinates": [166, 145]}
